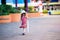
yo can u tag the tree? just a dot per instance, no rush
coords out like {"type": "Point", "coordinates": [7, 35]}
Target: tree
{"type": "Point", "coordinates": [26, 5]}
{"type": "Point", "coordinates": [3, 1]}
{"type": "Point", "coordinates": [47, 1]}
{"type": "Point", "coordinates": [16, 3]}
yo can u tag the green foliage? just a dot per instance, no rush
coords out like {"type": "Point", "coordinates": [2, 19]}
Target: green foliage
{"type": "Point", "coordinates": [56, 12]}
{"type": "Point", "coordinates": [30, 9]}
{"type": "Point", "coordinates": [5, 9]}
{"type": "Point", "coordinates": [14, 10]}
{"type": "Point", "coordinates": [45, 11]}
{"type": "Point", "coordinates": [19, 8]}
{"type": "Point", "coordinates": [33, 12]}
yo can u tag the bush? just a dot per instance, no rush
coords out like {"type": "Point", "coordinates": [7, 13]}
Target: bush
{"type": "Point", "coordinates": [30, 9]}
{"type": "Point", "coordinates": [14, 10]}
{"type": "Point", "coordinates": [5, 9]}
{"type": "Point", "coordinates": [19, 8]}
{"type": "Point", "coordinates": [45, 11]}
{"type": "Point", "coordinates": [56, 12]}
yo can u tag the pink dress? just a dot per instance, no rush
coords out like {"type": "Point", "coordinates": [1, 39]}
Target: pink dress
{"type": "Point", "coordinates": [24, 22]}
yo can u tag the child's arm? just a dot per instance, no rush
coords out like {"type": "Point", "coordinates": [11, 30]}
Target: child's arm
{"type": "Point", "coordinates": [27, 16]}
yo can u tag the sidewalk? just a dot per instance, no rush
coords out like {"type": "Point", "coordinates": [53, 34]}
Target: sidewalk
{"type": "Point", "coordinates": [42, 28]}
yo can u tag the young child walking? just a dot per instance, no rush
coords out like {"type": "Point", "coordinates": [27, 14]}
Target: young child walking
{"type": "Point", "coordinates": [24, 22]}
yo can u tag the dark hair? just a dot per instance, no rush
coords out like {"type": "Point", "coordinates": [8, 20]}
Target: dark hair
{"type": "Point", "coordinates": [23, 14]}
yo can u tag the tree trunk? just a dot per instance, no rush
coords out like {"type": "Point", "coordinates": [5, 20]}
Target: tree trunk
{"type": "Point", "coordinates": [16, 3]}
{"type": "Point", "coordinates": [26, 5]}
{"type": "Point", "coordinates": [3, 1]}
{"type": "Point", "coordinates": [47, 1]}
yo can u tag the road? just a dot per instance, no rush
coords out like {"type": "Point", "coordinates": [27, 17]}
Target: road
{"type": "Point", "coordinates": [41, 28]}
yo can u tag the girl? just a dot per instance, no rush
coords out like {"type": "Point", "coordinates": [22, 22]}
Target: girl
{"type": "Point", "coordinates": [24, 22]}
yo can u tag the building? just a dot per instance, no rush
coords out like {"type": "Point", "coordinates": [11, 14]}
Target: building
{"type": "Point", "coordinates": [53, 5]}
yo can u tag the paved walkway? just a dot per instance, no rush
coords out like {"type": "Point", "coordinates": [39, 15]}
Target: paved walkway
{"type": "Point", "coordinates": [42, 28]}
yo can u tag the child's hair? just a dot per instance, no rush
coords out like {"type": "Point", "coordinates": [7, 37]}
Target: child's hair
{"type": "Point", "coordinates": [23, 14]}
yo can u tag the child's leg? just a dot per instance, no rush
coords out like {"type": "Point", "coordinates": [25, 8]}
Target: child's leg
{"type": "Point", "coordinates": [27, 26]}
{"type": "Point", "coordinates": [24, 31]}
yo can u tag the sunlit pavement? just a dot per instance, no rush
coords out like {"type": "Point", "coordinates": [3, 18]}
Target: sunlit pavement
{"type": "Point", "coordinates": [41, 28]}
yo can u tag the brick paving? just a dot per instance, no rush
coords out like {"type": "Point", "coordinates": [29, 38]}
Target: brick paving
{"type": "Point", "coordinates": [41, 28]}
